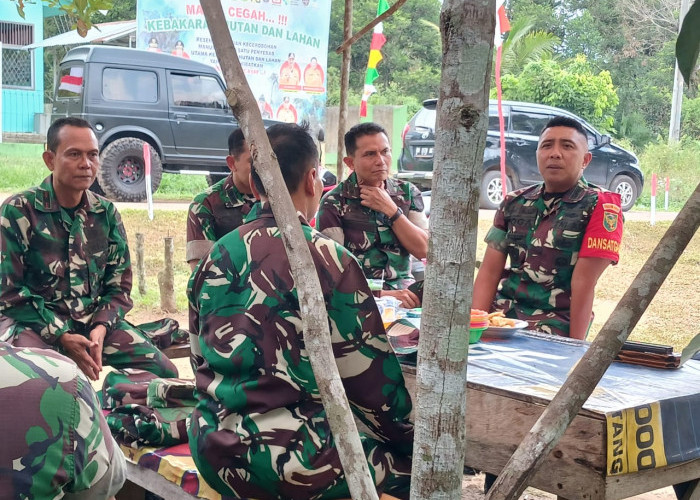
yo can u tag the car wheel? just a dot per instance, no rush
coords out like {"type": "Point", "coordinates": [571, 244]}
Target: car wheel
{"type": "Point", "coordinates": [122, 174]}
{"type": "Point", "coordinates": [627, 189]}
{"type": "Point", "coordinates": [492, 191]}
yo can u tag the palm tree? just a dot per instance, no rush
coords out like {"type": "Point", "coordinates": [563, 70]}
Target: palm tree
{"type": "Point", "coordinates": [524, 45]}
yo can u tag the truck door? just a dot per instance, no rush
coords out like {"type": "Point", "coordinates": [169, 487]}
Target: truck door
{"type": "Point", "coordinates": [200, 118]}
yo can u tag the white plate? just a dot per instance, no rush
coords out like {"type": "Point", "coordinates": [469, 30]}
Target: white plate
{"type": "Point", "coordinates": [503, 332]}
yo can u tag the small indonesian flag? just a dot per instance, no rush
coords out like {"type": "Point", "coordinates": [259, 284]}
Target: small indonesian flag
{"type": "Point", "coordinates": [72, 82]}
{"type": "Point", "coordinates": [378, 41]}
{"type": "Point", "coordinates": [502, 23]}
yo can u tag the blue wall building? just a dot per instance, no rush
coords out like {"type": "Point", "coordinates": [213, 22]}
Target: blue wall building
{"type": "Point", "coordinates": [22, 70]}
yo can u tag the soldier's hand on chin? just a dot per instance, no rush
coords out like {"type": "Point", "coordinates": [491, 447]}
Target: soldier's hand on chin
{"type": "Point", "coordinates": [78, 348]}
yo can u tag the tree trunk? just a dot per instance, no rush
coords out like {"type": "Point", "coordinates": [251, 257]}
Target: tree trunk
{"type": "Point", "coordinates": [467, 29]}
{"type": "Point", "coordinates": [344, 88]}
{"type": "Point", "coordinates": [314, 316]}
{"type": "Point", "coordinates": [552, 424]}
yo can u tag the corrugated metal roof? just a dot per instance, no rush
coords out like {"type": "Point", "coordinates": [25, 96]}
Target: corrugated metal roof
{"type": "Point", "coordinates": [99, 33]}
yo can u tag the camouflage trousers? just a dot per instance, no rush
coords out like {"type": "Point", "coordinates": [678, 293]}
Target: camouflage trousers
{"type": "Point", "coordinates": [259, 474]}
{"type": "Point", "coordinates": [126, 346]}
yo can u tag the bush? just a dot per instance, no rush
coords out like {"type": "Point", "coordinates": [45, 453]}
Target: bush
{"type": "Point", "coordinates": [679, 162]}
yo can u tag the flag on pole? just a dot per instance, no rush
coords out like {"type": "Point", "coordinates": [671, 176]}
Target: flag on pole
{"type": "Point", "coordinates": [502, 27]}
{"type": "Point", "coordinates": [378, 41]}
{"type": "Point", "coordinates": [502, 23]}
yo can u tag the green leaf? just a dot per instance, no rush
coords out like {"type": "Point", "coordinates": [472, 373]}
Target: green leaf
{"type": "Point", "coordinates": [688, 43]}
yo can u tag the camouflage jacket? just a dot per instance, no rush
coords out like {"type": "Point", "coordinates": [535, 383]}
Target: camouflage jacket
{"type": "Point", "coordinates": [213, 213]}
{"type": "Point", "coordinates": [543, 240]}
{"type": "Point", "coordinates": [58, 269]}
{"type": "Point", "coordinates": [54, 441]}
{"type": "Point", "coordinates": [259, 429]}
{"type": "Point", "coordinates": [367, 233]}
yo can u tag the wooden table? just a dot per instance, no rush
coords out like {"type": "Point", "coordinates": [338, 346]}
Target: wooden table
{"type": "Point", "coordinates": [499, 416]}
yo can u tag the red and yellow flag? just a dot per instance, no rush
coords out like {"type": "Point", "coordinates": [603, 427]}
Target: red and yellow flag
{"type": "Point", "coordinates": [375, 55]}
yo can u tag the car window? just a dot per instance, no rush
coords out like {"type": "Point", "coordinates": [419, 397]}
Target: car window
{"type": "Point", "coordinates": [493, 118]}
{"type": "Point", "coordinates": [120, 84]}
{"type": "Point", "coordinates": [528, 123]}
{"type": "Point", "coordinates": [198, 91]}
{"type": "Point", "coordinates": [426, 118]}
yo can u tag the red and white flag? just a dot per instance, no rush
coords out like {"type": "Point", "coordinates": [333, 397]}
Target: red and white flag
{"type": "Point", "coordinates": [502, 23]}
{"type": "Point", "coordinates": [502, 27]}
{"type": "Point", "coordinates": [72, 82]}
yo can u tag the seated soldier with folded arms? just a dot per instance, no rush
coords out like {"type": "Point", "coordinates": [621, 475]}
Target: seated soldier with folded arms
{"type": "Point", "coordinates": [65, 272]}
{"type": "Point", "coordinates": [560, 236]}
{"type": "Point", "coordinates": [378, 218]}
{"type": "Point", "coordinates": [259, 429]}
{"type": "Point", "coordinates": [223, 207]}
{"type": "Point", "coordinates": [56, 443]}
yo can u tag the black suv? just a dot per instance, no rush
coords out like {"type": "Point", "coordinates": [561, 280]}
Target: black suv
{"type": "Point", "coordinates": [134, 96]}
{"type": "Point", "coordinates": [612, 167]}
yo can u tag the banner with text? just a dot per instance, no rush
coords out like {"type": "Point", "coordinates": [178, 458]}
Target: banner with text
{"type": "Point", "coordinates": [282, 46]}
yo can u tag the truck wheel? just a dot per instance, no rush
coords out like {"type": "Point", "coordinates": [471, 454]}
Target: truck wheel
{"type": "Point", "coordinates": [122, 175]}
{"type": "Point", "coordinates": [627, 189]}
{"type": "Point", "coordinates": [491, 190]}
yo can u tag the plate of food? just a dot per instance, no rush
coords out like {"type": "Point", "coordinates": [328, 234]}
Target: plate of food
{"type": "Point", "coordinates": [501, 327]}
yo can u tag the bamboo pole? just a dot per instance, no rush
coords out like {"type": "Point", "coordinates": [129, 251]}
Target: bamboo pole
{"type": "Point", "coordinates": [140, 269]}
{"type": "Point", "coordinates": [552, 424]}
{"type": "Point", "coordinates": [314, 316]}
{"type": "Point", "coordinates": [344, 89]}
{"type": "Point", "coordinates": [166, 278]}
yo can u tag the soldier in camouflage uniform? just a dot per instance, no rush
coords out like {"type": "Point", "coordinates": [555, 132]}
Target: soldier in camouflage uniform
{"type": "Point", "coordinates": [560, 236]}
{"type": "Point", "coordinates": [65, 274]}
{"type": "Point", "coordinates": [259, 429]}
{"type": "Point", "coordinates": [379, 219]}
{"type": "Point", "coordinates": [223, 207]}
{"type": "Point", "coordinates": [56, 443]}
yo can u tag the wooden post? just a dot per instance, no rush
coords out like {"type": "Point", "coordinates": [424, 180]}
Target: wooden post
{"type": "Point", "coordinates": [140, 269]}
{"type": "Point", "coordinates": [166, 278]}
{"type": "Point", "coordinates": [314, 316]}
{"type": "Point", "coordinates": [552, 424]}
{"type": "Point", "coordinates": [344, 86]}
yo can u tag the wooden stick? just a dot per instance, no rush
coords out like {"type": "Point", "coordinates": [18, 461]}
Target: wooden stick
{"type": "Point", "coordinates": [369, 26]}
{"type": "Point", "coordinates": [140, 269]}
{"type": "Point", "coordinates": [166, 278]}
{"type": "Point", "coordinates": [344, 89]}
{"type": "Point", "coordinates": [552, 424]}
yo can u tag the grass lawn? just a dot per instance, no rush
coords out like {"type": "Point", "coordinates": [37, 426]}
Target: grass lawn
{"type": "Point", "coordinates": [672, 317]}
{"type": "Point", "coordinates": [22, 167]}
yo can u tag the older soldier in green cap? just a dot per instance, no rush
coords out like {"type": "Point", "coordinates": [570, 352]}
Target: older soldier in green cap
{"type": "Point", "coordinates": [223, 207]}
{"type": "Point", "coordinates": [65, 273]}
{"type": "Point", "coordinates": [259, 429]}
{"type": "Point", "coordinates": [56, 443]}
{"type": "Point", "coordinates": [379, 219]}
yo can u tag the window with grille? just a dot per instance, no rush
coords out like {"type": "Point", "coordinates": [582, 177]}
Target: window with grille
{"type": "Point", "coordinates": [17, 64]}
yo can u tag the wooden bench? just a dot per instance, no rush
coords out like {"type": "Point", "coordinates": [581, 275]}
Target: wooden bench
{"type": "Point", "coordinates": [177, 351]}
